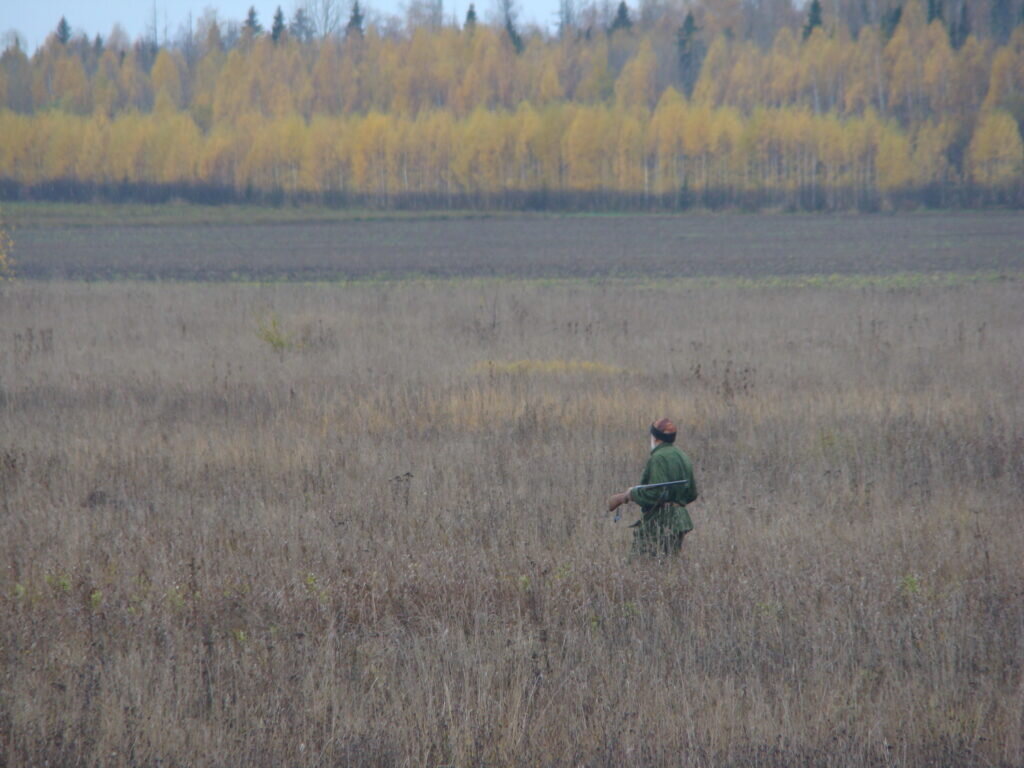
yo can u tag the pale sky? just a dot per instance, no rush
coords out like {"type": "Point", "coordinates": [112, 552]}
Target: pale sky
{"type": "Point", "coordinates": [35, 19]}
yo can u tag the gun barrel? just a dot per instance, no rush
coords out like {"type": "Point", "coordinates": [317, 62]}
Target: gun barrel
{"type": "Point", "coordinates": [660, 485]}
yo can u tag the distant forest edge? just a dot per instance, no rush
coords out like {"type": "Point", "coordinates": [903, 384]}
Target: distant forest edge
{"type": "Point", "coordinates": [671, 105]}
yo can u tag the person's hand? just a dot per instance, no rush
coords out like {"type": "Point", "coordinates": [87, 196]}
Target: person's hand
{"type": "Point", "coordinates": [617, 500]}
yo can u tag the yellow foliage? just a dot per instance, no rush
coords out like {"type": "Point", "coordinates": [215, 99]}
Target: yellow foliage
{"type": "Point", "coordinates": [596, 84]}
{"type": "Point", "coordinates": [550, 89]}
{"type": "Point", "coordinates": [635, 86]}
{"type": "Point", "coordinates": [585, 149]}
{"type": "Point", "coordinates": [166, 79]}
{"type": "Point", "coordinates": [938, 65]}
{"type": "Point", "coordinates": [92, 161]}
{"type": "Point", "coordinates": [929, 159]}
{"type": "Point", "coordinates": [893, 166]}
{"type": "Point", "coordinates": [713, 81]}
{"type": "Point", "coordinates": [996, 153]}
{"type": "Point", "coordinates": [323, 169]}
{"type": "Point", "coordinates": [71, 86]}
{"type": "Point", "coordinates": [134, 84]}
{"type": "Point", "coordinates": [445, 113]}
{"type": "Point", "coordinates": [665, 141]}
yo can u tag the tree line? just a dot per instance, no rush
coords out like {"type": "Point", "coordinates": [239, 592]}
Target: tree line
{"type": "Point", "coordinates": [663, 106]}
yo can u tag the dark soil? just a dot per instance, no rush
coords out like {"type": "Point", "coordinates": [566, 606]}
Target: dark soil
{"type": "Point", "coordinates": [531, 246]}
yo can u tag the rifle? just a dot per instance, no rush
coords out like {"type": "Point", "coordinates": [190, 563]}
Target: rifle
{"type": "Point", "coordinates": [618, 514]}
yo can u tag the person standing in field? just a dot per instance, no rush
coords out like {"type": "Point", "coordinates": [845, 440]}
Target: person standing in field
{"type": "Point", "coordinates": [665, 521]}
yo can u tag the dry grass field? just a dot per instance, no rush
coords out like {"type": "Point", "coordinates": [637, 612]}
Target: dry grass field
{"type": "Point", "coordinates": [362, 524]}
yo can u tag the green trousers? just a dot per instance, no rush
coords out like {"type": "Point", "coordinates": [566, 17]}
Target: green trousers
{"type": "Point", "coordinates": [650, 537]}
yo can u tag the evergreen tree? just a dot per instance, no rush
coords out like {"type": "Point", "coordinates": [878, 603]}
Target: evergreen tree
{"type": "Point", "coordinates": [277, 29]}
{"type": "Point", "coordinates": [690, 51]}
{"type": "Point", "coordinates": [252, 24]}
{"type": "Point", "coordinates": [63, 31]}
{"type": "Point", "coordinates": [470, 18]}
{"type": "Point", "coordinates": [813, 18]}
{"type": "Point", "coordinates": [513, 34]}
{"type": "Point", "coordinates": [566, 17]}
{"type": "Point", "coordinates": [355, 21]}
{"type": "Point", "coordinates": [891, 20]}
{"type": "Point", "coordinates": [960, 29]}
{"type": "Point", "coordinates": [301, 27]}
{"type": "Point", "coordinates": [1002, 20]}
{"type": "Point", "coordinates": [622, 20]}
{"type": "Point", "coordinates": [934, 10]}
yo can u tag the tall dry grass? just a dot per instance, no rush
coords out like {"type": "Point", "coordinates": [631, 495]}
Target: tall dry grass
{"type": "Point", "coordinates": [311, 525]}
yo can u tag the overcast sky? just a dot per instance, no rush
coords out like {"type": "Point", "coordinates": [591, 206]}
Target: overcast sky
{"type": "Point", "coordinates": [35, 19]}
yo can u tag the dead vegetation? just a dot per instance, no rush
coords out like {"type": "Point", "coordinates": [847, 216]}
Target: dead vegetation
{"type": "Point", "coordinates": [381, 542]}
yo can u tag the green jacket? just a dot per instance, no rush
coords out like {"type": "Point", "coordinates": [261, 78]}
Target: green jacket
{"type": "Point", "coordinates": [667, 506]}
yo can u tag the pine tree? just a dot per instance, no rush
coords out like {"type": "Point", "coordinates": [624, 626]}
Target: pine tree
{"type": "Point", "coordinates": [277, 29]}
{"type": "Point", "coordinates": [470, 18]}
{"type": "Point", "coordinates": [813, 18]}
{"type": "Point", "coordinates": [960, 29]}
{"type": "Point", "coordinates": [252, 23]}
{"type": "Point", "coordinates": [1002, 20]}
{"type": "Point", "coordinates": [355, 21]}
{"type": "Point", "coordinates": [300, 27]}
{"type": "Point", "coordinates": [566, 17]}
{"type": "Point", "coordinates": [891, 20]}
{"type": "Point", "coordinates": [934, 10]}
{"type": "Point", "coordinates": [622, 20]}
{"type": "Point", "coordinates": [63, 31]}
{"type": "Point", "coordinates": [513, 33]}
{"type": "Point", "coordinates": [690, 52]}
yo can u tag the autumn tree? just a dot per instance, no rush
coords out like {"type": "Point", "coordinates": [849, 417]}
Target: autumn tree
{"type": "Point", "coordinates": [1006, 76]}
{"type": "Point", "coordinates": [325, 16]}
{"type": "Point", "coordinates": [713, 80]}
{"type": "Point", "coordinates": [939, 63]}
{"type": "Point", "coordinates": [635, 86]}
{"type": "Point", "coordinates": [641, 113]}
{"type": "Point", "coordinates": [70, 85]}
{"type": "Point", "coordinates": [166, 79]}
{"type": "Point", "coordinates": [665, 138]}
{"type": "Point", "coordinates": [424, 13]}
{"type": "Point", "coordinates": [905, 56]}
{"type": "Point", "coordinates": [995, 157]}
{"type": "Point", "coordinates": [930, 161]}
